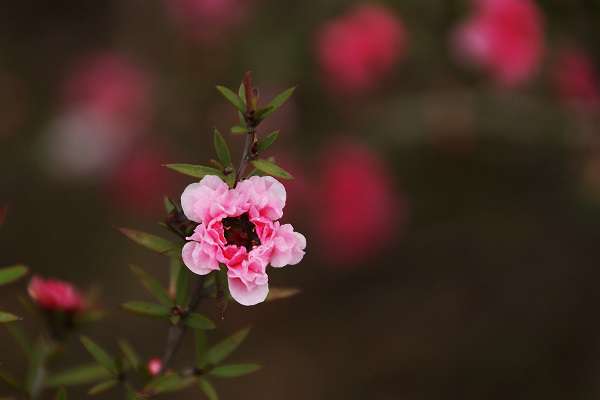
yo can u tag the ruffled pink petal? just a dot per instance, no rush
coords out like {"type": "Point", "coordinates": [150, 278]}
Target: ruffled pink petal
{"type": "Point", "coordinates": [264, 196]}
{"type": "Point", "coordinates": [288, 247]}
{"type": "Point", "coordinates": [201, 259]}
{"type": "Point", "coordinates": [198, 199]}
{"type": "Point", "coordinates": [247, 295]}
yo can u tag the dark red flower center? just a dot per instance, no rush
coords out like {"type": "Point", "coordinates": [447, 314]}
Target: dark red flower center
{"type": "Point", "coordinates": [240, 231]}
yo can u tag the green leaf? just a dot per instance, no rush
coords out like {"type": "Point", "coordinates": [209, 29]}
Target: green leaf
{"type": "Point", "coordinates": [8, 317]}
{"type": "Point", "coordinates": [208, 389]}
{"type": "Point", "coordinates": [150, 241]}
{"type": "Point", "coordinates": [221, 148]}
{"type": "Point", "coordinates": [270, 168]}
{"type": "Point", "coordinates": [11, 274]}
{"type": "Point", "coordinates": [168, 383]}
{"type": "Point", "coordinates": [197, 171]}
{"type": "Point", "coordinates": [169, 206]}
{"type": "Point", "coordinates": [80, 375]}
{"type": "Point", "coordinates": [224, 348]}
{"type": "Point", "coordinates": [234, 370]}
{"type": "Point", "coordinates": [130, 355]}
{"type": "Point", "coordinates": [36, 373]}
{"type": "Point", "coordinates": [198, 321]}
{"type": "Point", "coordinates": [183, 287]}
{"type": "Point", "coordinates": [268, 140]}
{"type": "Point", "coordinates": [130, 393]}
{"type": "Point", "coordinates": [149, 309]}
{"type": "Point", "coordinates": [61, 394]}
{"type": "Point", "coordinates": [232, 98]}
{"type": "Point", "coordinates": [103, 387]}
{"type": "Point", "coordinates": [238, 130]}
{"type": "Point", "coordinates": [276, 293]}
{"type": "Point", "coordinates": [278, 101]}
{"type": "Point", "coordinates": [152, 285]}
{"type": "Point", "coordinates": [100, 355]}
{"type": "Point", "coordinates": [242, 92]}
{"type": "Point", "coordinates": [200, 344]}
{"type": "Point", "coordinates": [174, 267]}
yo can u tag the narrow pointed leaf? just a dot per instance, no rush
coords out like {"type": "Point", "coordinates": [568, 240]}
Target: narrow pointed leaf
{"type": "Point", "coordinates": [130, 355]}
{"type": "Point", "coordinates": [169, 206]}
{"type": "Point", "coordinates": [36, 373]}
{"type": "Point", "coordinates": [242, 92]}
{"type": "Point", "coordinates": [232, 98]}
{"type": "Point", "coordinates": [81, 375]}
{"type": "Point", "coordinates": [208, 389]}
{"type": "Point", "coordinates": [130, 393]}
{"type": "Point", "coordinates": [267, 141]}
{"type": "Point", "coordinates": [102, 387]}
{"type": "Point", "coordinates": [152, 285]}
{"type": "Point", "coordinates": [223, 349]}
{"type": "Point", "coordinates": [197, 171]}
{"type": "Point", "coordinates": [18, 334]}
{"type": "Point", "coordinates": [171, 382]}
{"type": "Point", "coordinates": [221, 148]}
{"type": "Point", "coordinates": [278, 101]}
{"type": "Point", "coordinates": [61, 394]}
{"type": "Point", "coordinates": [11, 274]}
{"type": "Point", "coordinates": [101, 356]}
{"type": "Point", "coordinates": [200, 345]}
{"type": "Point", "coordinates": [199, 321]}
{"type": "Point", "coordinates": [238, 130]}
{"type": "Point", "coordinates": [8, 317]}
{"type": "Point", "coordinates": [276, 293]}
{"type": "Point", "coordinates": [270, 168]}
{"type": "Point", "coordinates": [149, 309]}
{"type": "Point", "coordinates": [234, 370]}
{"type": "Point", "coordinates": [151, 242]}
{"type": "Point", "coordinates": [174, 268]}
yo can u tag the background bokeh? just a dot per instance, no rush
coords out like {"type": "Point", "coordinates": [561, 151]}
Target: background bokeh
{"type": "Point", "coordinates": [448, 182]}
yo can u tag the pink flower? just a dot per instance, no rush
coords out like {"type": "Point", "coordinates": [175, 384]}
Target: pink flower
{"type": "Point", "coordinates": [154, 366]}
{"type": "Point", "coordinates": [206, 20]}
{"type": "Point", "coordinates": [239, 228]}
{"type": "Point", "coordinates": [576, 79]}
{"type": "Point", "coordinates": [356, 50]}
{"type": "Point", "coordinates": [358, 211]}
{"type": "Point", "coordinates": [56, 295]}
{"type": "Point", "coordinates": [504, 37]}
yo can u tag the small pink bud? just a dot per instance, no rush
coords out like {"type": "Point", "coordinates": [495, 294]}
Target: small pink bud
{"type": "Point", "coordinates": [53, 294]}
{"type": "Point", "coordinates": [154, 366]}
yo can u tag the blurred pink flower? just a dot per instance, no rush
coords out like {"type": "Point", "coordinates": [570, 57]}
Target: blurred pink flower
{"type": "Point", "coordinates": [356, 50]}
{"type": "Point", "coordinates": [576, 80]}
{"type": "Point", "coordinates": [56, 295]}
{"type": "Point", "coordinates": [154, 366]}
{"type": "Point", "coordinates": [239, 228]}
{"type": "Point", "coordinates": [358, 212]}
{"type": "Point", "coordinates": [140, 182]}
{"type": "Point", "coordinates": [112, 86]}
{"type": "Point", "coordinates": [206, 20]}
{"type": "Point", "coordinates": [504, 37]}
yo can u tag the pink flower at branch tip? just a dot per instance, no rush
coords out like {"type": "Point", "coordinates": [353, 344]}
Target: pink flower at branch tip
{"type": "Point", "coordinates": [576, 80]}
{"type": "Point", "coordinates": [55, 295]}
{"type": "Point", "coordinates": [358, 49]}
{"type": "Point", "coordinates": [239, 228]}
{"type": "Point", "coordinates": [503, 37]}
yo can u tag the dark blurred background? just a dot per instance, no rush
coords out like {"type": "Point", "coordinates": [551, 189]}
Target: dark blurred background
{"type": "Point", "coordinates": [448, 182]}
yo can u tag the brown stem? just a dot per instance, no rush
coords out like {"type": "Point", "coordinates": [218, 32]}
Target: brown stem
{"type": "Point", "coordinates": [251, 123]}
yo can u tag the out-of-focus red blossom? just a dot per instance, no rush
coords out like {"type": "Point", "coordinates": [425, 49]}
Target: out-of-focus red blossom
{"type": "Point", "coordinates": [206, 20]}
{"type": "Point", "coordinates": [154, 366]}
{"type": "Point", "coordinates": [575, 79]}
{"type": "Point", "coordinates": [504, 37]}
{"type": "Point", "coordinates": [140, 182]}
{"type": "Point", "coordinates": [356, 50]}
{"type": "Point", "coordinates": [110, 85]}
{"type": "Point", "coordinates": [55, 295]}
{"type": "Point", "coordinates": [358, 211]}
